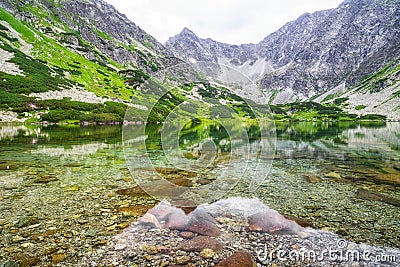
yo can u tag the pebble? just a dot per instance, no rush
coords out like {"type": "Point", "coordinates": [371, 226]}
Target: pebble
{"type": "Point", "coordinates": [207, 253]}
{"type": "Point", "coordinates": [182, 259]}
{"type": "Point", "coordinates": [120, 246]}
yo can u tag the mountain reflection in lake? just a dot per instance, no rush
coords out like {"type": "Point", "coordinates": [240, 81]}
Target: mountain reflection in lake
{"type": "Point", "coordinates": [69, 188]}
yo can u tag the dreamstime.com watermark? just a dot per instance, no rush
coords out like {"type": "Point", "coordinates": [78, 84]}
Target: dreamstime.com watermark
{"type": "Point", "coordinates": [338, 253]}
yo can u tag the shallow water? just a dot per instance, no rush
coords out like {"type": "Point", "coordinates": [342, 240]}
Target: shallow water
{"type": "Point", "coordinates": [58, 185]}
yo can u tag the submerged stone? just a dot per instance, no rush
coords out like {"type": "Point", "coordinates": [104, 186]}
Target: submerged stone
{"type": "Point", "coordinates": [273, 223]}
{"type": "Point", "coordinates": [198, 221]}
{"type": "Point", "coordinates": [239, 258]}
{"type": "Point", "coordinates": [388, 178]}
{"type": "Point", "coordinates": [333, 175]}
{"type": "Point", "coordinates": [312, 178]}
{"type": "Point", "coordinates": [200, 243]}
{"type": "Point", "coordinates": [132, 191]}
{"type": "Point", "coordinates": [371, 195]}
{"type": "Point", "coordinates": [45, 179]}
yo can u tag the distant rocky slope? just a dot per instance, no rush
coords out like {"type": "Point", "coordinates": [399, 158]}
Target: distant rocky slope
{"type": "Point", "coordinates": [93, 23]}
{"type": "Point", "coordinates": [335, 48]}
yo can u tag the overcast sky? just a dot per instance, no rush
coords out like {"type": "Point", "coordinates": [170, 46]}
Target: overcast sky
{"type": "Point", "coordinates": [229, 21]}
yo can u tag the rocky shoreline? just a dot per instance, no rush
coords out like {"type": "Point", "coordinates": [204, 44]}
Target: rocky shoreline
{"type": "Point", "coordinates": [232, 232]}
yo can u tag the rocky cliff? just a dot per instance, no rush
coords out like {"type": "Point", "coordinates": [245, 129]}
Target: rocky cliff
{"type": "Point", "coordinates": [63, 55]}
{"type": "Point", "coordinates": [94, 29]}
{"type": "Point", "coordinates": [313, 54]}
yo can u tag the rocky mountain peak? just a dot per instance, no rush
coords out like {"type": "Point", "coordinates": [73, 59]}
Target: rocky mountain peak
{"type": "Point", "coordinates": [313, 54]}
{"type": "Point", "coordinates": [187, 32]}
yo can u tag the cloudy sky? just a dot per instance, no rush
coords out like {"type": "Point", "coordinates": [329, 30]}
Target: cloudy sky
{"type": "Point", "coordinates": [229, 21]}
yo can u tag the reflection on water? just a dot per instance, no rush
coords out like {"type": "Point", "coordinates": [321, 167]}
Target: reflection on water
{"type": "Point", "coordinates": [76, 151]}
{"type": "Point", "coordinates": [209, 149]}
{"type": "Point", "coordinates": [346, 141]}
{"type": "Point", "coordinates": [58, 184]}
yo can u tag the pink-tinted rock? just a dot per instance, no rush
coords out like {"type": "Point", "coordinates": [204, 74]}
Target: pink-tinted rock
{"type": "Point", "coordinates": [202, 223]}
{"type": "Point", "coordinates": [186, 205]}
{"type": "Point", "coordinates": [164, 212]}
{"type": "Point", "coordinates": [238, 259]}
{"type": "Point", "coordinates": [270, 221]}
{"type": "Point", "coordinates": [199, 243]}
{"type": "Point", "coordinates": [198, 221]}
{"type": "Point", "coordinates": [149, 220]}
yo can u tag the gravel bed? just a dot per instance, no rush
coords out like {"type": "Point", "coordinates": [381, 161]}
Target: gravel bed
{"type": "Point", "coordinates": [140, 245]}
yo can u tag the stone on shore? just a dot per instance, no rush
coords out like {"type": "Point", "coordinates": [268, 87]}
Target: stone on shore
{"type": "Point", "coordinates": [169, 217]}
{"type": "Point", "coordinates": [273, 223]}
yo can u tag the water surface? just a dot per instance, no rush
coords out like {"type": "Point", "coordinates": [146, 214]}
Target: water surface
{"type": "Point", "coordinates": [60, 187]}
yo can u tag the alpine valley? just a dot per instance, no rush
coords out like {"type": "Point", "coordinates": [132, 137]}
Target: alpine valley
{"type": "Point", "coordinates": [77, 61]}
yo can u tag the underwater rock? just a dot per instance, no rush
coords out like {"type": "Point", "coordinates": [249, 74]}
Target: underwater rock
{"type": "Point", "coordinates": [273, 223]}
{"type": "Point", "coordinates": [333, 175]}
{"type": "Point", "coordinates": [132, 191]}
{"type": "Point", "coordinates": [198, 221]}
{"type": "Point", "coordinates": [200, 243]}
{"type": "Point", "coordinates": [45, 179]}
{"type": "Point", "coordinates": [312, 178]}
{"type": "Point", "coordinates": [371, 195]}
{"type": "Point", "coordinates": [239, 258]}
{"type": "Point", "coordinates": [388, 178]}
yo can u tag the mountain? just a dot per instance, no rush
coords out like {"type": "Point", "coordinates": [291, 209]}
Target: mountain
{"type": "Point", "coordinates": [64, 60]}
{"type": "Point", "coordinates": [77, 24]}
{"type": "Point", "coordinates": [336, 48]}
{"type": "Point", "coordinates": [84, 51]}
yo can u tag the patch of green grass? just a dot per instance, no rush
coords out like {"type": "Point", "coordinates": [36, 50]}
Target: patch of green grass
{"type": "Point", "coordinates": [103, 34]}
{"type": "Point", "coordinates": [373, 117]}
{"type": "Point", "coordinates": [26, 33]}
{"type": "Point", "coordinates": [360, 107]}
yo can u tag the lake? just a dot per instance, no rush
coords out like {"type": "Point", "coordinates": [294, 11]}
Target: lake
{"type": "Point", "coordinates": [65, 190]}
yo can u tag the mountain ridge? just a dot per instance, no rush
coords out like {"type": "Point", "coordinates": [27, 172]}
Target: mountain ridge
{"type": "Point", "coordinates": [313, 54]}
{"type": "Point", "coordinates": [87, 45]}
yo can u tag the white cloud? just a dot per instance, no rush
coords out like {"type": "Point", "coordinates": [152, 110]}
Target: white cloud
{"type": "Point", "coordinates": [230, 21]}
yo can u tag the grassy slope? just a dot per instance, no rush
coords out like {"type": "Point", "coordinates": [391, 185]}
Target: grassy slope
{"type": "Point", "coordinates": [52, 66]}
{"type": "Point", "coordinates": [100, 79]}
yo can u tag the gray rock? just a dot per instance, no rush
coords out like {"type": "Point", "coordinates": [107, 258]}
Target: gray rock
{"type": "Point", "coordinates": [312, 54]}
